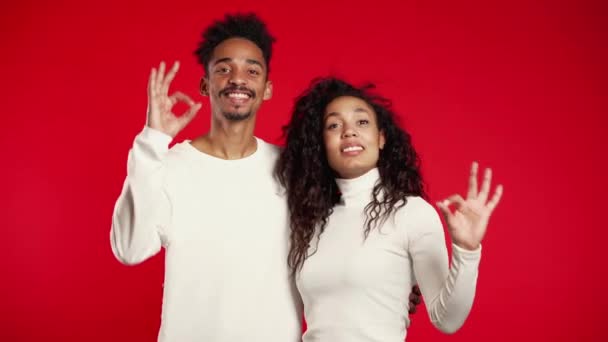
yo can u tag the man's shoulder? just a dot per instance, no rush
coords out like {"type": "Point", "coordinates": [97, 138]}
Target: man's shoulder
{"type": "Point", "coordinates": [271, 149]}
{"type": "Point", "coordinates": [180, 149]}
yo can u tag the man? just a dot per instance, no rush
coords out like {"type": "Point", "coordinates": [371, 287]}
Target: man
{"type": "Point", "coordinates": [213, 202]}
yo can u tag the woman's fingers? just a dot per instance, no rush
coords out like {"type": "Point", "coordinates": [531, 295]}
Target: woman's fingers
{"type": "Point", "coordinates": [485, 186]}
{"type": "Point", "coordinates": [472, 191]}
{"type": "Point", "coordinates": [495, 198]}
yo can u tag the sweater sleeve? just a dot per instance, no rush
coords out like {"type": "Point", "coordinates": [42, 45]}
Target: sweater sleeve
{"type": "Point", "coordinates": [448, 292]}
{"type": "Point", "coordinates": [143, 210]}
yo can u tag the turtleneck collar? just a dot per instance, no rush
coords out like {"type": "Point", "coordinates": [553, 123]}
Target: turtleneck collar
{"type": "Point", "coordinates": [358, 189]}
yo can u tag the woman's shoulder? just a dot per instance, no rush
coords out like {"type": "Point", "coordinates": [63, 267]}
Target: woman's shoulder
{"type": "Point", "coordinates": [417, 212]}
{"type": "Point", "coordinates": [417, 204]}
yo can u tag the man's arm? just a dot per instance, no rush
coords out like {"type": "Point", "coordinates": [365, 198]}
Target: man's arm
{"type": "Point", "coordinates": [143, 211]}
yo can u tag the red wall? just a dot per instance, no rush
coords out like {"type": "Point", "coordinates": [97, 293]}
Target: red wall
{"type": "Point", "coordinates": [518, 86]}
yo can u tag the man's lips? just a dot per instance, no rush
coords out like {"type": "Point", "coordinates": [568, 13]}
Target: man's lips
{"type": "Point", "coordinates": [237, 93]}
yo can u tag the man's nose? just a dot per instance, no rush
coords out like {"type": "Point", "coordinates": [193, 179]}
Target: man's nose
{"type": "Point", "coordinates": [237, 77]}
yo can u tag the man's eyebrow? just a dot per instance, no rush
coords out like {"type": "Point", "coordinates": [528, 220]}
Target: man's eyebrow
{"type": "Point", "coordinates": [222, 60]}
{"type": "Point", "coordinates": [256, 62]}
{"type": "Point", "coordinates": [249, 61]}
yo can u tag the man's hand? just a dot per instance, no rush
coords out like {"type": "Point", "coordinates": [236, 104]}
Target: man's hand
{"type": "Point", "coordinates": [160, 104]}
{"type": "Point", "coordinates": [467, 225]}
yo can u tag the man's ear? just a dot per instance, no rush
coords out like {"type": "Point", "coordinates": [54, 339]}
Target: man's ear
{"type": "Point", "coordinates": [203, 87]}
{"type": "Point", "coordinates": [268, 91]}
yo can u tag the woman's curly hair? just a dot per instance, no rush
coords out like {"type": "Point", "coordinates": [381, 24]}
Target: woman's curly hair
{"type": "Point", "coordinates": [305, 173]}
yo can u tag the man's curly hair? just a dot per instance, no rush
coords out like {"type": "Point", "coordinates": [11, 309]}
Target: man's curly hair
{"type": "Point", "coordinates": [240, 25]}
{"type": "Point", "coordinates": [305, 173]}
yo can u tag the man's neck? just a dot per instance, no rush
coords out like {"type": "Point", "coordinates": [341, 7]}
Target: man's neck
{"type": "Point", "coordinates": [228, 139]}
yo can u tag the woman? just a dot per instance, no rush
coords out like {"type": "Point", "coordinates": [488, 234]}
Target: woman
{"type": "Point", "coordinates": [361, 232]}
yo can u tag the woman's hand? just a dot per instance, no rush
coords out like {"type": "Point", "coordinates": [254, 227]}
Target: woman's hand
{"type": "Point", "coordinates": [468, 223]}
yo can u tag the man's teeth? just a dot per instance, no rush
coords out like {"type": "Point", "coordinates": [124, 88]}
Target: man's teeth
{"type": "Point", "coordinates": [238, 95]}
{"type": "Point", "coordinates": [352, 149]}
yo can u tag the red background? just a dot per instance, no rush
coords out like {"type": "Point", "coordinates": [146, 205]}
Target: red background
{"type": "Point", "coordinates": [518, 86]}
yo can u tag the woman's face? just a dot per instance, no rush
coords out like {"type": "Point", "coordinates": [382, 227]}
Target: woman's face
{"type": "Point", "coordinates": [351, 135]}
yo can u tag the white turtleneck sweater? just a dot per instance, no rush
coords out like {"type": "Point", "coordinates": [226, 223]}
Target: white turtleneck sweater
{"type": "Point", "coordinates": [224, 226]}
{"type": "Point", "coordinates": [357, 289]}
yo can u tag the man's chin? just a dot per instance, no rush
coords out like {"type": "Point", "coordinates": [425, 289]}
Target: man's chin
{"type": "Point", "coordinates": [235, 116]}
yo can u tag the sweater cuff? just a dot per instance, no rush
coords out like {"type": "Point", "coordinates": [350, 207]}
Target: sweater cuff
{"type": "Point", "coordinates": [466, 255]}
{"type": "Point", "coordinates": [155, 137]}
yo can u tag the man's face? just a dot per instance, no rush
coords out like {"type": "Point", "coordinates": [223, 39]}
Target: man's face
{"type": "Point", "coordinates": [236, 82]}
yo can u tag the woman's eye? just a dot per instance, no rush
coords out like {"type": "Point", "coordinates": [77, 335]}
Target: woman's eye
{"type": "Point", "coordinates": [332, 126]}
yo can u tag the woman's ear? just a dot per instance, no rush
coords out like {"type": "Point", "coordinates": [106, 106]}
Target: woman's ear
{"type": "Point", "coordinates": [381, 139]}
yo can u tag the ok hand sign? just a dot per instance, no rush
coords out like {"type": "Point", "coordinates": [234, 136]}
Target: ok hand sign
{"type": "Point", "coordinates": [160, 104]}
{"type": "Point", "coordinates": [467, 225]}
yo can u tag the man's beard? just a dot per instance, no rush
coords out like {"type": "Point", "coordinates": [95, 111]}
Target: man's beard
{"type": "Point", "coordinates": [233, 116]}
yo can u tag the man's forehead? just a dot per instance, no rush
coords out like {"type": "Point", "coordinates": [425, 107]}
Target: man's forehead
{"type": "Point", "coordinates": [238, 49]}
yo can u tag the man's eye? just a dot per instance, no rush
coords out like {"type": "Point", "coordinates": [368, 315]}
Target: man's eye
{"type": "Point", "coordinates": [363, 122]}
{"type": "Point", "coordinates": [254, 72]}
{"type": "Point", "coordinates": [222, 70]}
